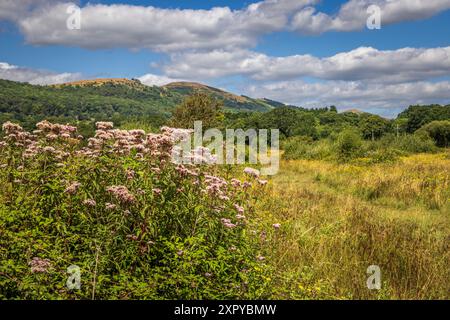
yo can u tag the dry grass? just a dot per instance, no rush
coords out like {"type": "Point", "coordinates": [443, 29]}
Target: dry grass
{"type": "Point", "coordinates": [340, 219]}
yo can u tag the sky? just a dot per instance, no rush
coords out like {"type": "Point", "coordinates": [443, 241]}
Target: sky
{"type": "Point", "coordinates": [309, 53]}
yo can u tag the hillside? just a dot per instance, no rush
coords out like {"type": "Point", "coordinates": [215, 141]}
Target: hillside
{"type": "Point", "coordinates": [231, 101]}
{"type": "Point", "coordinates": [108, 99]}
{"type": "Point", "coordinates": [168, 95]}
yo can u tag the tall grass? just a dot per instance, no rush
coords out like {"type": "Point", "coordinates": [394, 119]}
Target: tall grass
{"type": "Point", "coordinates": [340, 219]}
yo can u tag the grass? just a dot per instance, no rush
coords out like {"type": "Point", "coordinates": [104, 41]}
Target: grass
{"type": "Point", "coordinates": [337, 220]}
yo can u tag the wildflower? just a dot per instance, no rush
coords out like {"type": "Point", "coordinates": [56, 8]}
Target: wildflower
{"type": "Point", "coordinates": [110, 206]}
{"type": "Point", "coordinates": [11, 128]}
{"type": "Point", "coordinates": [252, 172]}
{"type": "Point", "coordinates": [247, 185]}
{"type": "Point", "coordinates": [236, 183]}
{"type": "Point", "coordinates": [73, 188]}
{"type": "Point", "coordinates": [122, 193]}
{"type": "Point", "coordinates": [180, 253]}
{"type": "Point", "coordinates": [262, 182]}
{"type": "Point", "coordinates": [132, 237]}
{"type": "Point", "coordinates": [157, 191]}
{"type": "Point", "coordinates": [240, 217]}
{"type": "Point", "coordinates": [39, 265]}
{"type": "Point", "coordinates": [104, 125]}
{"type": "Point", "coordinates": [233, 248]}
{"type": "Point", "coordinates": [156, 170]}
{"type": "Point", "coordinates": [130, 174]}
{"type": "Point", "coordinates": [263, 236]}
{"type": "Point", "coordinates": [227, 223]}
{"type": "Point", "coordinates": [49, 149]}
{"type": "Point", "coordinates": [90, 203]}
{"type": "Point", "coordinates": [208, 275]}
{"type": "Point", "coordinates": [260, 258]}
{"type": "Point", "coordinates": [276, 225]}
{"type": "Point", "coordinates": [239, 208]}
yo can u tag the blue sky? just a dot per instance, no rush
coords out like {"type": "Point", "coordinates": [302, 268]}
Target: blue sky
{"type": "Point", "coordinates": [304, 52]}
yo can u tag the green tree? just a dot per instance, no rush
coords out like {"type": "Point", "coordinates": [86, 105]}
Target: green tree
{"type": "Point", "coordinates": [439, 131]}
{"type": "Point", "coordinates": [348, 144]}
{"type": "Point", "coordinates": [198, 107]}
{"type": "Point", "coordinates": [374, 127]}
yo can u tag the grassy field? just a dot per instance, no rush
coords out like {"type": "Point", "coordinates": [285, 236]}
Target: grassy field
{"type": "Point", "coordinates": [340, 219]}
{"type": "Point", "coordinates": [138, 226]}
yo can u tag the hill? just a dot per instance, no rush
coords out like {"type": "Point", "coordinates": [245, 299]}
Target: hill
{"type": "Point", "coordinates": [108, 99]}
{"type": "Point", "coordinates": [231, 101]}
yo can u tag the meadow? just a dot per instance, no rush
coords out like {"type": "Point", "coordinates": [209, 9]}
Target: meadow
{"type": "Point", "coordinates": [338, 219]}
{"type": "Point", "coordinates": [141, 227]}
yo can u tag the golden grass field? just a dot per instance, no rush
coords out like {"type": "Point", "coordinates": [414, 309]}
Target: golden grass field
{"type": "Point", "coordinates": [338, 219]}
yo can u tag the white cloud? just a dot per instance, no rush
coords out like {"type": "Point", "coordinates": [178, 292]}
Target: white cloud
{"type": "Point", "coordinates": [41, 77]}
{"type": "Point", "coordinates": [353, 14]}
{"type": "Point", "coordinates": [109, 26]}
{"type": "Point", "coordinates": [157, 80]}
{"type": "Point", "coordinates": [363, 63]}
{"type": "Point", "coordinates": [353, 94]}
{"type": "Point", "coordinates": [15, 9]}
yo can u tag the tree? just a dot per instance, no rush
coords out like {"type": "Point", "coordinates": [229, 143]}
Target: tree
{"type": "Point", "coordinates": [348, 144]}
{"type": "Point", "coordinates": [373, 127]}
{"type": "Point", "coordinates": [198, 107]}
{"type": "Point", "coordinates": [439, 131]}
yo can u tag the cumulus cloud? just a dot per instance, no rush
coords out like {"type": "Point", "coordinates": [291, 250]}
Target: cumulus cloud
{"type": "Point", "coordinates": [353, 94]}
{"type": "Point", "coordinates": [110, 26]}
{"type": "Point", "coordinates": [43, 22]}
{"type": "Point", "coordinates": [157, 80]}
{"type": "Point", "coordinates": [41, 77]}
{"type": "Point", "coordinates": [353, 14]}
{"type": "Point", "coordinates": [364, 63]}
{"type": "Point", "coordinates": [13, 10]}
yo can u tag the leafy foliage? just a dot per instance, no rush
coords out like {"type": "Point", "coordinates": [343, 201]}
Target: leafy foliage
{"type": "Point", "coordinates": [137, 225]}
{"type": "Point", "coordinates": [199, 106]}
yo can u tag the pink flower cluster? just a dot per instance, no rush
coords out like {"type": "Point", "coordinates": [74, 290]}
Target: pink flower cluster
{"type": "Point", "coordinates": [239, 209]}
{"type": "Point", "coordinates": [252, 172]}
{"type": "Point", "coordinates": [54, 131]}
{"type": "Point", "coordinates": [227, 223]}
{"type": "Point", "coordinates": [122, 194]}
{"type": "Point", "coordinates": [39, 265]}
{"type": "Point", "coordinates": [73, 188]}
{"type": "Point", "coordinates": [90, 202]}
{"type": "Point", "coordinates": [15, 134]}
{"type": "Point", "coordinates": [11, 128]}
{"type": "Point", "coordinates": [183, 171]}
{"type": "Point", "coordinates": [215, 185]}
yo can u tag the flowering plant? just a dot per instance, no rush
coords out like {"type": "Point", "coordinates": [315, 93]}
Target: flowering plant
{"type": "Point", "coordinates": [138, 225]}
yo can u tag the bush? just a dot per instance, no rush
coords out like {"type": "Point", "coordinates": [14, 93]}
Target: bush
{"type": "Point", "coordinates": [348, 145]}
{"type": "Point", "coordinates": [137, 225]}
{"type": "Point", "coordinates": [306, 148]}
{"type": "Point", "coordinates": [439, 131]}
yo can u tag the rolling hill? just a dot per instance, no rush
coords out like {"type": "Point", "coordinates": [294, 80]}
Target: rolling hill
{"type": "Point", "coordinates": [167, 96]}
{"type": "Point", "coordinates": [108, 99]}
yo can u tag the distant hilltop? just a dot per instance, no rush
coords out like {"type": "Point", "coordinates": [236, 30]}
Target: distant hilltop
{"type": "Point", "coordinates": [357, 111]}
{"type": "Point", "coordinates": [99, 82]}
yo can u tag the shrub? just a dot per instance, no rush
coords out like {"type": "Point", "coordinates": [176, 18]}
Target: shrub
{"type": "Point", "coordinates": [136, 224]}
{"type": "Point", "coordinates": [348, 145]}
{"type": "Point", "coordinates": [439, 131]}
